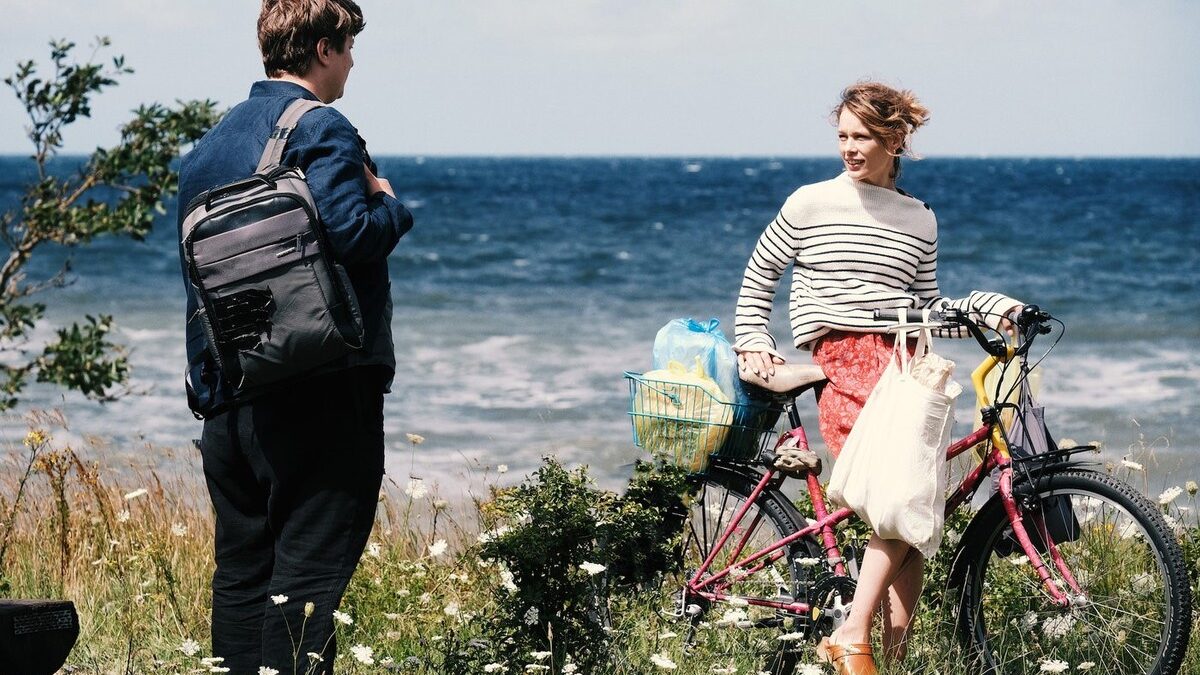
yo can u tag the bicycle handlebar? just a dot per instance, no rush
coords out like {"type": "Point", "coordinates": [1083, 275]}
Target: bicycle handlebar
{"type": "Point", "coordinates": [1032, 321]}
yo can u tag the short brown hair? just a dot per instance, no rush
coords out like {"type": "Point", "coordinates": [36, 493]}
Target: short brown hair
{"type": "Point", "coordinates": [892, 115]}
{"type": "Point", "coordinates": [288, 31]}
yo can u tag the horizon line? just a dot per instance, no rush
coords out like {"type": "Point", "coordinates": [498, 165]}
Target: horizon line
{"type": "Point", "coordinates": [694, 156]}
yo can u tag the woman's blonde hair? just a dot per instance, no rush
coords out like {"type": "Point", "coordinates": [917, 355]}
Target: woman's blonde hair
{"type": "Point", "coordinates": [891, 115]}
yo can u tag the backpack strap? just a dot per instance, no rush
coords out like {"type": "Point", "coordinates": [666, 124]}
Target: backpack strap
{"type": "Point", "coordinates": [273, 153]}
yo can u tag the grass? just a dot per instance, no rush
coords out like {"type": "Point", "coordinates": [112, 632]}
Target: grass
{"type": "Point", "coordinates": [133, 550]}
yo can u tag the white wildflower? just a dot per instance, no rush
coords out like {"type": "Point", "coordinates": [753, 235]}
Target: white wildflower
{"type": "Point", "coordinates": [140, 492]}
{"type": "Point", "coordinates": [1132, 466]}
{"type": "Point", "coordinates": [264, 670]}
{"type": "Point", "coordinates": [451, 609]}
{"type": "Point", "coordinates": [437, 548]}
{"type": "Point", "coordinates": [539, 656]}
{"type": "Point", "coordinates": [189, 647]}
{"type": "Point", "coordinates": [1068, 443]}
{"type": "Point", "coordinates": [1174, 524]}
{"type": "Point", "coordinates": [1142, 582]}
{"type": "Point", "coordinates": [1169, 495]}
{"type": "Point", "coordinates": [279, 599]}
{"type": "Point", "coordinates": [738, 602]}
{"type": "Point", "coordinates": [218, 669]}
{"type": "Point", "coordinates": [309, 608]}
{"type": "Point", "coordinates": [212, 660]}
{"type": "Point", "coordinates": [570, 668]}
{"type": "Point", "coordinates": [1129, 529]}
{"type": "Point", "coordinates": [667, 635]}
{"type": "Point", "coordinates": [1030, 620]}
{"type": "Point", "coordinates": [807, 562]}
{"type": "Point", "coordinates": [729, 670]}
{"type": "Point", "coordinates": [123, 516]}
{"type": "Point", "coordinates": [415, 439]}
{"type": "Point", "coordinates": [342, 618]}
{"type": "Point", "coordinates": [494, 668]}
{"type": "Point", "coordinates": [531, 616]}
{"type": "Point", "coordinates": [592, 568]}
{"type": "Point", "coordinates": [416, 488]}
{"type": "Point", "coordinates": [1191, 487]}
{"type": "Point", "coordinates": [1086, 665]}
{"type": "Point", "coordinates": [503, 468]}
{"type": "Point", "coordinates": [790, 637]}
{"type": "Point", "coordinates": [179, 529]}
{"type": "Point", "coordinates": [732, 617]}
{"type": "Point", "coordinates": [1058, 626]}
{"type": "Point", "coordinates": [1019, 560]}
{"type": "Point", "coordinates": [373, 549]}
{"type": "Point", "coordinates": [536, 668]}
{"type": "Point", "coordinates": [662, 661]}
{"type": "Point", "coordinates": [506, 580]}
{"type": "Point", "coordinates": [1054, 666]}
{"type": "Point", "coordinates": [364, 654]}
{"type": "Point", "coordinates": [809, 669]}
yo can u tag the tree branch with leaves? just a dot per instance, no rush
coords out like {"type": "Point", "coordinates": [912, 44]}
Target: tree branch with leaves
{"type": "Point", "coordinates": [118, 191]}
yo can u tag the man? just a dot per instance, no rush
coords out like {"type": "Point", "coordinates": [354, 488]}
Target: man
{"type": "Point", "coordinates": [294, 474]}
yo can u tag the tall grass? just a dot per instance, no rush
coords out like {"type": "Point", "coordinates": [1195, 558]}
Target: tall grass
{"type": "Point", "coordinates": [133, 550]}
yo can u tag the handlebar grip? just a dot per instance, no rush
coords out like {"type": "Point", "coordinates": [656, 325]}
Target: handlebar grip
{"type": "Point", "coordinates": [893, 315]}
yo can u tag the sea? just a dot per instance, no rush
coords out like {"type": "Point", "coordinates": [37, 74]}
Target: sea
{"type": "Point", "coordinates": [528, 286]}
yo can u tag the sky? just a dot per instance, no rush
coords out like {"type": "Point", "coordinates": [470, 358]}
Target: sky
{"type": "Point", "coordinates": [686, 77]}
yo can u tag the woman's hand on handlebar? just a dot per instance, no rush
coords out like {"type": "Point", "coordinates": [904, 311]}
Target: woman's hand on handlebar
{"type": "Point", "coordinates": [761, 364]}
{"type": "Point", "coordinates": [1008, 320]}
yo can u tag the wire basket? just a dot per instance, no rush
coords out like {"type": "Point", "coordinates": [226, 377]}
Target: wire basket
{"type": "Point", "coordinates": [685, 425]}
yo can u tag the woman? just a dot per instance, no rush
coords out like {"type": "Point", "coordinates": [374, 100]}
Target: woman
{"type": "Point", "coordinates": [858, 243]}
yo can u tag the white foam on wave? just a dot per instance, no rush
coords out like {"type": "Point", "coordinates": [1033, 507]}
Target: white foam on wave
{"type": "Point", "coordinates": [1160, 378]}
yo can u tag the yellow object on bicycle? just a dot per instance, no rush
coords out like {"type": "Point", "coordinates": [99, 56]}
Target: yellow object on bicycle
{"type": "Point", "coordinates": [681, 415]}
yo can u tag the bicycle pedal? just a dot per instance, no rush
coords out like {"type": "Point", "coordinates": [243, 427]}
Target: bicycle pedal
{"type": "Point", "coordinates": [678, 611]}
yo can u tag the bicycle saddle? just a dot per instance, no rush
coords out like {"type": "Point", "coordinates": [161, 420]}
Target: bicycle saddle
{"type": "Point", "coordinates": [789, 381]}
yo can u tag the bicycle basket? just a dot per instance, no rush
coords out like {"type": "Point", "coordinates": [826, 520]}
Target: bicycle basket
{"type": "Point", "coordinates": [684, 425]}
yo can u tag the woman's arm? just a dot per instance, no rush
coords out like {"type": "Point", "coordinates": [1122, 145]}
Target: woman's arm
{"type": "Point", "coordinates": [992, 309]}
{"type": "Point", "coordinates": [776, 249]}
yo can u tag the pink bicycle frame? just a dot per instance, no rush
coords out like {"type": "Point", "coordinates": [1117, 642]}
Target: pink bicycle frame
{"type": "Point", "coordinates": [714, 587]}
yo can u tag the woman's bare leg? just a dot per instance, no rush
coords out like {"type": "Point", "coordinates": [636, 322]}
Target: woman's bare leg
{"type": "Point", "coordinates": [900, 606]}
{"type": "Point", "coordinates": [882, 560]}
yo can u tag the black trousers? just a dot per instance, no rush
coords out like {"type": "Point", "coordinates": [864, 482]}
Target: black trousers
{"type": "Point", "coordinates": [294, 479]}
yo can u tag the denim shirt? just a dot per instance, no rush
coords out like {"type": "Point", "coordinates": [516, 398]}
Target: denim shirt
{"type": "Point", "coordinates": [361, 229]}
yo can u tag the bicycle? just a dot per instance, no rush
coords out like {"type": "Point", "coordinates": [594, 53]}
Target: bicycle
{"type": "Point", "coordinates": [1063, 563]}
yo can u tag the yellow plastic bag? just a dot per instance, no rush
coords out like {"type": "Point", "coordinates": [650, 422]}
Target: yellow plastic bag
{"type": "Point", "coordinates": [681, 414]}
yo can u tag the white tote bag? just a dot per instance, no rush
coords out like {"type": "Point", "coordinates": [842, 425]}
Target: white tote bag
{"type": "Point", "coordinates": [891, 469]}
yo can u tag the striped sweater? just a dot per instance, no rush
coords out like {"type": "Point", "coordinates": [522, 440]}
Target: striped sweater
{"type": "Point", "coordinates": [856, 247]}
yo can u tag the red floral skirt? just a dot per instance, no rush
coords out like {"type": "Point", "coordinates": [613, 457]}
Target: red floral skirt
{"type": "Point", "coordinates": [853, 362]}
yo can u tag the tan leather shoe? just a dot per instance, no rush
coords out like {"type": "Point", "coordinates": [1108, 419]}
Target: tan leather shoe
{"type": "Point", "coordinates": [851, 659]}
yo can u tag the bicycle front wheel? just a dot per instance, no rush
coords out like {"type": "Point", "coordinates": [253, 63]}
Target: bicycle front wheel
{"type": "Point", "coordinates": [1134, 612]}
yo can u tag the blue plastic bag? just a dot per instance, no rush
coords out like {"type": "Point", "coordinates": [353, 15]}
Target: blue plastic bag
{"type": "Point", "coordinates": [683, 340]}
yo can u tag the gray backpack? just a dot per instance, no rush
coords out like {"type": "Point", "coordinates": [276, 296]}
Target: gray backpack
{"type": "Point", "coordinates": [273, 303]}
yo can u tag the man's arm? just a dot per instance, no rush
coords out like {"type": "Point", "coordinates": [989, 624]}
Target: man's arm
{"type": "Point", "coordinates": [363, 221]}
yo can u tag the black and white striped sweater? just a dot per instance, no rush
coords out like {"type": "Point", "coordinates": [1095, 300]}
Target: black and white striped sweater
{"type": "Point", "coordinates": [856, 247]}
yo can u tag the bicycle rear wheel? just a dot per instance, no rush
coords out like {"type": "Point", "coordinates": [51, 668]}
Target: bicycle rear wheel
{"type": "Point", "coordinates": [770, 518]}
{"type": "Point", "coordinates": [1135, 610]}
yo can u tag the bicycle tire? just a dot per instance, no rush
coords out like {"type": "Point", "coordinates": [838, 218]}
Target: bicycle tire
{"type": "Point", "coordinates": [1126, 560]}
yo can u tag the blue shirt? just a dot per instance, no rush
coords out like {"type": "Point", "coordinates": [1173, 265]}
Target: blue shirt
{"type": "Point", "coordinates": [362, 229]}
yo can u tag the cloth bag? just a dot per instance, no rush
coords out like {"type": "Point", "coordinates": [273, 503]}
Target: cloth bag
{"type": "Point", "coordinates": [891, 469]}
{"type": "Point", "coordinates": [1028, 437]}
